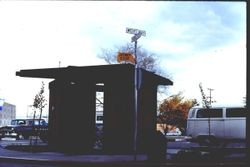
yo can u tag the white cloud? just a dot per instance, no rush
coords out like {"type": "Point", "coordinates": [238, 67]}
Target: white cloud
{"type": "Point", "coordinates": [224, 70]}
{"type": "Point", "coordinates": [39, 34]}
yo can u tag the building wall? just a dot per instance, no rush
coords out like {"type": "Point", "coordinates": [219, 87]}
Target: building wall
{"type": "Point", "coordinates": [7, 113]}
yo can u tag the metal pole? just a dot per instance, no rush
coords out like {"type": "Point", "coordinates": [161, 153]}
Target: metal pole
{"type": "Point", "coordinates": [136, 104]}
{"type": "Point", "coordinates": [137, 34]}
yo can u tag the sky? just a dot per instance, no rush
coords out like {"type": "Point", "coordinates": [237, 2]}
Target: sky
{"type": "Point", "coordinates": [196, 42]}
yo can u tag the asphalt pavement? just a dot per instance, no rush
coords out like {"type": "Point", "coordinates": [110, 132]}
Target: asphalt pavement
{"type": "Point", "coordinates": [37, 159]}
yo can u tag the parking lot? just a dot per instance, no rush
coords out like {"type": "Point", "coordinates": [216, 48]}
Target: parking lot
{"type": "Point", "coordinates": [174, 154]}
{"type": "Point", "coordinates": [236, 148]}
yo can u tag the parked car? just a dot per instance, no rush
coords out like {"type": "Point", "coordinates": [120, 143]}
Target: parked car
{"type": "Point", "coordinates": [218, 124]}
{"type": "Point", "coordinates": [24, 128]}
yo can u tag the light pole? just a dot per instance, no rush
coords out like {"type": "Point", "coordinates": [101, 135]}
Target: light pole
{"type": "Point", "coordinates": [137, 34]}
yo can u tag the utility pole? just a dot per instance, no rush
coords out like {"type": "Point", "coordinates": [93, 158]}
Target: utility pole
{"type": "Point", "coordinates": [210, 96]}
{"type": "Point", "coordinates": [137, 34]}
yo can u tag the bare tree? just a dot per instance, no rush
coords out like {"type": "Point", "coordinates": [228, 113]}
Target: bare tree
{"type": "Point", "coordinates": [38, 104]}
{"type": "Point", "coordinates": [205, 101]}
{"type": "Point", "coordinates": [145, 59]}
{"type": "Point", "coordinates": [207, 105]}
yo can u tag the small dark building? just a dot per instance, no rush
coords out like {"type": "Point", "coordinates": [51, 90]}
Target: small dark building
{"type": "Point", "coordinates": [72, 106]}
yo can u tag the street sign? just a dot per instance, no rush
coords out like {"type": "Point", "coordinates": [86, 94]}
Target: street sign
{"type": "Point", "coordinates": [135, 31]}
{"type": "Point", "coordinates": [135, 37]}
{"type": "Point", "coordinates": [127, 57]}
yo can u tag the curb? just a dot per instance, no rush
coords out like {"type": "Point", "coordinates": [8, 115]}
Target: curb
{"type": "Point", "coordinates": [70, 163]}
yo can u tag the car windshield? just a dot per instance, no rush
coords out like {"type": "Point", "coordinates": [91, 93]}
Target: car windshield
{"type": "Point", "coordinates": [18, 122]}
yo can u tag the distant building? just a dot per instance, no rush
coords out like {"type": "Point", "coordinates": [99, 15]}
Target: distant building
{"type": "Point", "coordinates": [7, 113]}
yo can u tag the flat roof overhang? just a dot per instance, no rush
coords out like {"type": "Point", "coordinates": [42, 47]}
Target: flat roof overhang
{"type": "Point", "coordinates": [94, 73]}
